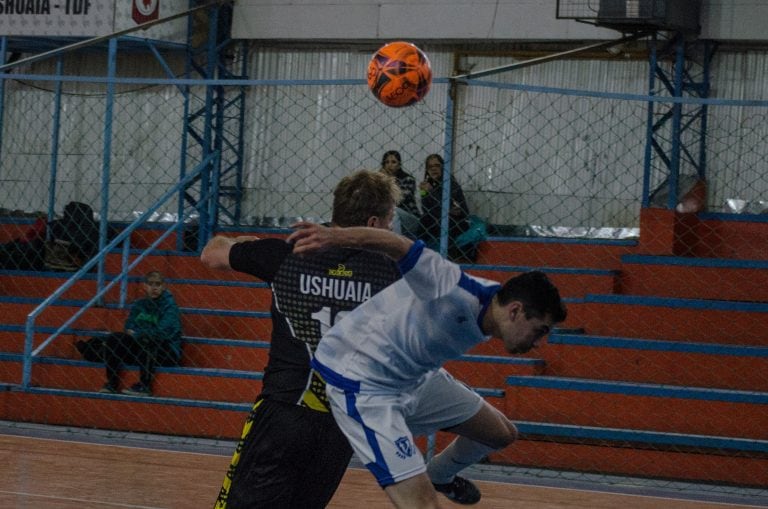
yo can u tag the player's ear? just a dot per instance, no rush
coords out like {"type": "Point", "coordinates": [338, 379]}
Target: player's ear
{"type": "Point", "coordinates": [373, 222]}
{"type": "Point", "coordinates": [515, 309]}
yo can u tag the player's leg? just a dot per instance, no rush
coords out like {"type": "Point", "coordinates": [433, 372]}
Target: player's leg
{"type": "Point", "coordinates": [140, 350]}
{"type": "Point", "coordinates": [413, 493]}
{"type": "Point", "coordinates": [269, 466]}
{"type": "Point", "coordinates": [146, 357]}
{"type": "Point", "coordinates": [376, 429]}
{"type": "Point", "coordinates": [325, 462]}
{"type": "Point", "coordinates": [115, 353]}
{"type": "Point", "coordinates": [447, 404]}
{"type": "Point", "coordinates": [489, 427]}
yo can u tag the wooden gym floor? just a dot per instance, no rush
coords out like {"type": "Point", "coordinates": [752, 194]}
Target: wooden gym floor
{"type": "Point", "coordinates": [65, 472]}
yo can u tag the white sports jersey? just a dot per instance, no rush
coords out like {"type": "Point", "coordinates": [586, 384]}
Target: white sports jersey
{"type": "Point", "coordinates": [409, 329]}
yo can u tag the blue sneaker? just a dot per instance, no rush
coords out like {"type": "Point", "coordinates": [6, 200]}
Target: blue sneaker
{"type": "Point", "coordinates": [460, 490]}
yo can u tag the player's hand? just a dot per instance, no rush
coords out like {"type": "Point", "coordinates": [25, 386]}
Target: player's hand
{"type": "Point", "coordinates": [310, 237]}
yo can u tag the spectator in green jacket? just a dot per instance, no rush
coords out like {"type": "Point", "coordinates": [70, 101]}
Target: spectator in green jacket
{"type": "Point", "coordinates": [152, 338]}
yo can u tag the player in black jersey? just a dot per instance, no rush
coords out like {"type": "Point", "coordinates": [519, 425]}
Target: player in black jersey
{"type": "Point", "coordinates": [291, 453]}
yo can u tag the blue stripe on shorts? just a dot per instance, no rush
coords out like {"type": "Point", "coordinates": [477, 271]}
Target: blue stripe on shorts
{"type": "Point", "coordinates": [379, 467]}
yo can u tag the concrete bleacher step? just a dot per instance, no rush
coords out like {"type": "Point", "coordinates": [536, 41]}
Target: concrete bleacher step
{"type": "Point", "coordinates": [572, 282]}
{"type": "Point", "coordinates": [492, 370]}
{"type": "Point", "coordinates": [197, 352]}
{"type": "Point", "coordinates": [655, 361]}
{"type": "Point", "coordinates": [641, 406]}
{"type": "Point", "coordinates": [157, 414]}
{"type": "Point", "coordinates": [554, 252]}
{"type": "Point", "coordinates": [237, 354]}
{"type": "Point", "coordinates": [209, 384]}
{"type": "Point", "coordinates": [173, 264]}
{"type": "Point", "coordinates": [197, 321]}
{"type": "Point", "coordinates": [731, 236]}
{"type": "Point", "coordinates": [494, 346]}
{"type": "Point", "coordinates": [243, 295]}
{"type": "Point", "coordinates": [695, 278]}
{"type": "Point", "coordinates": [673, 319]}
{"type": "Point", "coordinates": [633, 452]}
{"type": "Point", "coordinates": [15, 310]}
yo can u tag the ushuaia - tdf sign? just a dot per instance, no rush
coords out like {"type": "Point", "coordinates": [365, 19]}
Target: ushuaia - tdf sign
{"type": "Point", "coordinates": [56, 17]}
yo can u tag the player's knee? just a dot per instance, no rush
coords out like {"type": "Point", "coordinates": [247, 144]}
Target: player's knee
{"type": "Point", "coordinates": [504, 434]}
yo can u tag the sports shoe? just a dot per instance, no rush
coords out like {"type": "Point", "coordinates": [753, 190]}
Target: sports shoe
{"type": "Point", "coordinates": [138, 390]}
{"type": "Point", "coordinates": [108, 389]}
{"type": "Point", "coordinates": [460, 490]}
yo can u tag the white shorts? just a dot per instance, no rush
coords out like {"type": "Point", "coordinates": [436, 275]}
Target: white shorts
{"type": "Point", "coordinates": [380, 427]}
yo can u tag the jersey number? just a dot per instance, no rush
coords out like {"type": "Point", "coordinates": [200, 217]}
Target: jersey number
{"type": "Point", "coordinates": [327, 319]}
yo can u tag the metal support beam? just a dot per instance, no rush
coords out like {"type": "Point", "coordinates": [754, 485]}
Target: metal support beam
{"type": "Point", "coordinates": [218, 125]}
{"type": "Point", "coordinates": [676, 132]}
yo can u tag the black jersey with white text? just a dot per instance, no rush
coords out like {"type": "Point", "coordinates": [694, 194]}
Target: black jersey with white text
{"type": "Point", "coordinates": [309, 294]}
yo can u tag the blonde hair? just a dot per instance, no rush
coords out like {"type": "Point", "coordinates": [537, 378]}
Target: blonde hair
{"type": "Point", "coordinates": [362, 195]}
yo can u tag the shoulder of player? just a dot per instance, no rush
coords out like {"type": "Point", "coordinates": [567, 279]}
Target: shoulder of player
{"type": "Point", "coordinates": [264, 247]}
{"type": "Point", "coordinates": [343, 262]}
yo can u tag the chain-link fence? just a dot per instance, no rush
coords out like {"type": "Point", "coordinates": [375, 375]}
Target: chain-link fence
{"type": "Point", "coordinates": [659, 371]}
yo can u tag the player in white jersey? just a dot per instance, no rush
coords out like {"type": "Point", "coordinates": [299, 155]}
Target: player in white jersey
{"type": "Point", "coordinates": [382, 363]}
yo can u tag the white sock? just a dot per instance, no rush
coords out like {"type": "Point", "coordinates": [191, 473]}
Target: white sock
{"type": "Point", "coordinates": [460, 454]}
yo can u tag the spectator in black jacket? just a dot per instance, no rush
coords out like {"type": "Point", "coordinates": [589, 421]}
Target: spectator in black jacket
{"type": "Point", "coordinates": [431, 190]}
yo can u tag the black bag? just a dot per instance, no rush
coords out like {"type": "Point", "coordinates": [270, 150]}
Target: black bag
{"type": "Point", "coordinates": [74, 238]}
{"type": "Point", "coordinates": [60, 255]}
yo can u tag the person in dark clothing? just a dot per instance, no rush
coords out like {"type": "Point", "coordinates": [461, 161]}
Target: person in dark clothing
{"type": "Point", "coordinates": [391, 164]}
{"type": "Point", "coordinates": [152, 337]}
{"type": "Point", "coordinates": [407, 211]}
{"type": "Point", "coordinates": [431, 190]}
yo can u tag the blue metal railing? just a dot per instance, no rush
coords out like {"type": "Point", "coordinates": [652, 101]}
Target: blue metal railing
{"type": "Point", "coordinates": [211, 161]}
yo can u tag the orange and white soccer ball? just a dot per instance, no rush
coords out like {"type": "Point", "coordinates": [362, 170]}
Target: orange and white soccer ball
{"type": "Point", "coordinates": [399, 74]}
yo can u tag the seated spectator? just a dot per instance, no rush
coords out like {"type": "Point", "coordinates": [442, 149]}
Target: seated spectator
{"type": "Point", "coordinates": [431, 190]}
{"type": "Point", "coordinates": [407, 211]}
{"type": "Point", "coordinates": [152, 338]}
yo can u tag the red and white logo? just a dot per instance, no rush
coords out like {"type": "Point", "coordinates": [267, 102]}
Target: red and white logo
{"type": "Point", "coordinates": [145, 10]}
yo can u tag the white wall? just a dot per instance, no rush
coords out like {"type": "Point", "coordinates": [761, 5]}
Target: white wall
{"type": "Point", "coordinates": [475, 20]}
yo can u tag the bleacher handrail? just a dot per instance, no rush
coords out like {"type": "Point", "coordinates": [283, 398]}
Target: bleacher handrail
{"type": "Point", "coordinates": [210, 161]}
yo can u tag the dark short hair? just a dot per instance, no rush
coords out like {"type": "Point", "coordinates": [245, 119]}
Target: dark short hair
{"type": "Point", "coordinates": [391, 153]}
{"type": "Point", "coordinates": [362, 195]}
{"type": "Point", "coordinates": [154, 273]}
{"type": "Point", "coordinates": [434, 156]}
{"type": "Point", "coordinates": [539, 296]}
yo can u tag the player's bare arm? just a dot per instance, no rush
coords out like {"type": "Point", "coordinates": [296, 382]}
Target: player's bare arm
{"type": "Point", "coordinates": [311, 237]}
{"type": "Point", "coordinates": [216, 253]}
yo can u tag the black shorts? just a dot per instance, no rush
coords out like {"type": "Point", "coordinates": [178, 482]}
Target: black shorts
{"type": "Point", "coordinates": [288, 457]}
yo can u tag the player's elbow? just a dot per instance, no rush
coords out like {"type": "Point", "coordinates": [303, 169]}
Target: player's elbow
{"type": "Point", "coordinates": [215, 257]}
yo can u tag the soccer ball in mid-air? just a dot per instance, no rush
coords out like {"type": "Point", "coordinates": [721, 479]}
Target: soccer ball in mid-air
{"type": "Point", "coordinates": [399, 74]}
